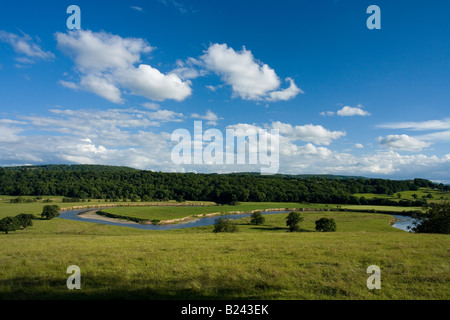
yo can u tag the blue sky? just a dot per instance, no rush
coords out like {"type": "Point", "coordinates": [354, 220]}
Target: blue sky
{"type": "Point", "coordinates": [346, 99]}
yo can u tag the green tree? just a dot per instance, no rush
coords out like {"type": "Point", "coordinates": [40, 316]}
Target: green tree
{"type": "Point", "coordinates": [399, 195]}
{"type": "Point", "coordinates": [9, 224]}
{"type": "Point", "coordinates": [326, 225]}
{"type": "Point", "coordinates": [50, 211]}
{"type": "Point", "coordinates": [25, 220]}
{"type": "Point", "coordinates": [257, 218]}
{"type": "Point", "coordinates": [224, 225]}
{"type": "Point", "coordinates": [435, 220]}
{"type": "Point", "coordinates": [292, 221]}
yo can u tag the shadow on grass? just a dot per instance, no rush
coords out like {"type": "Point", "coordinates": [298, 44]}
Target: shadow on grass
{"type": "Point", "coordinates": [279, 229]}
{"type": "Point", "coordinates": [110, 288]}
{"type": "Point", "coordinates": [269, 228]}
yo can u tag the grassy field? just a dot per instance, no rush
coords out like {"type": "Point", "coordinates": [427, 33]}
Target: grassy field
{"type": "Point", "coordinates": [381, 208]}
{"type": "Point", "coordinates": [437, 195]}
{"type": "Point", "coordinates": [258, 262]}
{"type": "Point", "coordinates": [168, 213]}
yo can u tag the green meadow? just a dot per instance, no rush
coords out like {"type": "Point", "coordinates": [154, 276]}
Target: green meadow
{"type": "Point", "coordinates": [168, 213]}
{"type": "Point", "coordinates": [437, 196]}
{"type": "Point", "coordinates": [257, 262]}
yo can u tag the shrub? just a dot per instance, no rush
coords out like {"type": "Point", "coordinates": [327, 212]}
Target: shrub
{"type": "Point", "coordinates": [292, 221]}
{"type": "Point", "coordinates": [326, 225]}
{"type": "Point", "coordinates": [257, 218]}
{"type": "Point", "coordinates": [50, 211]}
{"type": "Point", "coordinates": [224, 225]}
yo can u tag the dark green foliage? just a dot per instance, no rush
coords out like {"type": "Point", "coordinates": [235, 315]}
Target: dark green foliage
{"type": "Point", "coordinates": [50, 211]}
{"type": "Point", "coordinates": [9, 224]}
{"type": "Point", "coordinates": [224, 225]}
{"type": "Point", "coordinates": [326, 225]}
{"type": "Point", "coordinates": [435, 220]}
{"type": "Point", "coordinates": [257, 218]}
{"type": "Point", "coordinates": [292, 221]}
{"type": "Point", "coordinates": [113, 183]}
{"type": "Point", "coordinates": [25, 220]}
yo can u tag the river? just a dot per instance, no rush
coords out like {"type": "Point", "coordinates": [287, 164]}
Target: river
{"type": "Point", "coordinates": [402, 223]}
{"type": "Point", "coordinates": [198, 222]}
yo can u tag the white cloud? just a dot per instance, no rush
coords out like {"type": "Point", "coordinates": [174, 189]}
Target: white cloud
{"type": "Point", "coordinates": [210, 116]}
{"type": "Point", "coordinates": [151, 106]}
{"type": "Point", "coordinates": [9, 134]}
{"type": "Point", "coordinates": [188, 69]}
{"type": "Point", "coordinates": [403, 142]}
{"type": "Point", "coordinates": [249, 78]}
{"type": "Point", "coordinates": [441, 136]}
{"type": "Point", "coordinates": [106, 64]}
{"type": "Point", "coordinates": [348, 111]}
{"type": "Point", "coordinates": [26, 47]}
{"type": "Point", "coordinates": [285, 94]}
{"type": "Point", "coordinates": [309, 133]}
{"type": "Point", "coordinates": [137, 8]}
{"type": "Point", "coordinates": [419, 126]}
{"type": "Point", "coordinates": [69, 84]}
{"type": "Point", "coordinates": [100, 51]}
{"type": "Point", "coordinates": [101, 86]}
{"type": "Point", "coordinates": [126, 137]}
{"type": "Point", "coordinates": [359, 146]}
{"type": "Point", "coordinates": [154, 85]}
{"type": "Point", "coordinates": [213, 88]}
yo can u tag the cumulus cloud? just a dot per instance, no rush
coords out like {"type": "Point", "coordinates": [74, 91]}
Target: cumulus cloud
{"type": "Point", "coordinates": [106, 65]}
{"type": "Point", "coordinates": [210, 116]}
{"type": "Point", "coordinates": [248, 78]}
{"type": "Point", "coordinates": [309, 133]}
{"type": "Point", "coordinates": [27, 49]}
{"type": "Point", "coordinates": [403, 142]}
{"type": "Point", "coordinates": [127, 137]}
{"type": "Point", "coordinates": [348, 111]}
{"type": "Point", "coordinates": [285, 94]}
{"type": "Point", "coordinates": [102, 86]}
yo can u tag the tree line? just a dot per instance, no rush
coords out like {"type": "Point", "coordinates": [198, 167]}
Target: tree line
{"type": "Point", "coordinates": [116, 183]}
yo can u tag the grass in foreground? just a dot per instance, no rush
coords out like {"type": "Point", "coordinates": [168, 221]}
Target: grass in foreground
{"type": "Point", "coordinates": [264, 265]}
{"type": "Point", "coordinates": [259, 262]}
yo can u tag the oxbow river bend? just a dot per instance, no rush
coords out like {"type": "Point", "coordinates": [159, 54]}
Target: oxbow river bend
{"type": "Point", "coordinates": [198, 222]}
{"type": "Point", "coordinates": [402, 223]}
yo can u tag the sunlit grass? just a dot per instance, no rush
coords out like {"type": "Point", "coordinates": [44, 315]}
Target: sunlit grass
{"type": "Point", "coordinates": [257, 262]}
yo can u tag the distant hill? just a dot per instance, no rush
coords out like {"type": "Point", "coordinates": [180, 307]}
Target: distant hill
{"type": "Point", "coordinates": [73, 167]}
{"type": "Point", "coordinates": [302, 176]}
